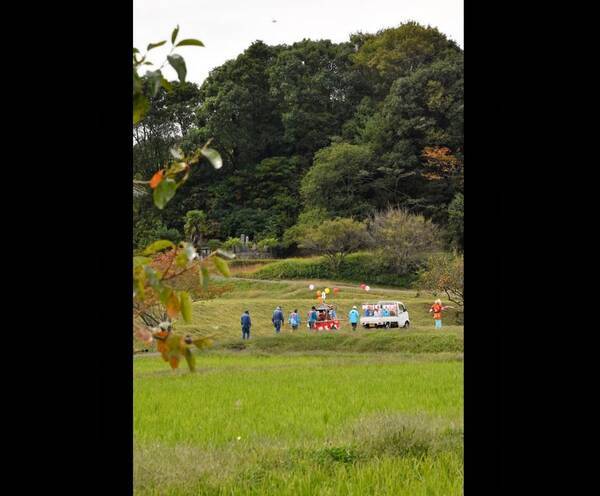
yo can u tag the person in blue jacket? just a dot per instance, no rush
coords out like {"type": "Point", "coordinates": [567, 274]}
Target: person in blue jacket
{"type": "Point", "coordinates": [246, 323]}
{"type": "Point", "coordinates": [277, 319]}
{"type": "Point", "coordinates": [312, 317]}
{"type": "Point", "coordinates": [353, 317]}
{"type": "Point", "coordinates": [294, 320]}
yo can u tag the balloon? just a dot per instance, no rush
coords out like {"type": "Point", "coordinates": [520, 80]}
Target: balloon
{"type": "Point", "coordinates": [311, 287]}
{"type": "Point", "coordinates": [363, 286]}
{"type": "Point", "coordinates": [318, 294]}
{"type": "Point", "coordinates": [367, 288]}
{"type": "Point", "coordinates": [327, 290]}
{"type": "Point", "coordinates": [335, 290]}
{"type": "Point", "coordinates": [323, 295]}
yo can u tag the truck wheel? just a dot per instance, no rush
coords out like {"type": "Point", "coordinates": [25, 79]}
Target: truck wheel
{"type": "Point", "coordinates": [387, 325]}
{"type": "Point", "coordinates": [406, 324]}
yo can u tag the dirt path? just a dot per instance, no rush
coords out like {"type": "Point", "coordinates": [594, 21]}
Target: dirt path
{"type": "Point", "coordinates": [320, 282]}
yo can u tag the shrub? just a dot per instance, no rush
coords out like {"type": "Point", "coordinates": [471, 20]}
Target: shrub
{"type": "Point", "coordinates": [356, 267]}
{"type": "Point", "coordinates": [267, 244]}
{"type": "Point", "coordinates": [232, 243]}
{"type": "Point", "coordinates": [214, 244]}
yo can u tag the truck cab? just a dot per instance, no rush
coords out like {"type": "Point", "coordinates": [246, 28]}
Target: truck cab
{"type": "Point", "coordinates": [385, 314]}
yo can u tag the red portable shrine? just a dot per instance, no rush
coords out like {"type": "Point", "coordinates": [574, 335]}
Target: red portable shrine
{"type": "Point", "coordinates": [325, 319]}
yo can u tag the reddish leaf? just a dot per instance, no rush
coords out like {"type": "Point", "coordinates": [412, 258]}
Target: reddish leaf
{"type": "Point", "coordinates": [156, 179]}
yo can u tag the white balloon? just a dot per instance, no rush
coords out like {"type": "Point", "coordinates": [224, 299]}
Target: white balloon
{"type": "Point", "coordinates": [311, 287]}
{"type": "Point", "coordinates": [367, 288]}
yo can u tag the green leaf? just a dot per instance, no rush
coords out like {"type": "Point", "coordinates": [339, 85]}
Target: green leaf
{"type": "Point", "coordinates": [166, 85]}
{"type": "Point", "coordinates": [164, 192]}
{"type": "Point", "coordinates": [186, 306]}
{"type": "Point", "coordinates": [221, 266]}
{"type": "Point", "coordinates": [155, 79]}
{"type": "Point", "coordinates": [155, 45]}
{"type": "Point", "coordinates": [135, 50]}
{"type": "Point", "coordinates": [140, 107]}
{"type": "Point", "coordinates": [174, 34]}
{"type": "Point", "coordinates": [159, 245]}
{"type": "Point", "coordinates": [181, 260]}
{"type": "Point", "coordinates": [213, 156]}
{"type": "Point", "coordinates": [178, 64]}
{"type": "Point", "coordinates": [190, 42]}
{"type": "Point", "coordinates": [138, 261]}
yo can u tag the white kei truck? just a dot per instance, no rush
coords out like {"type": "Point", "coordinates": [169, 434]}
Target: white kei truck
{"type": "Point", "coordinates": [385, 314]}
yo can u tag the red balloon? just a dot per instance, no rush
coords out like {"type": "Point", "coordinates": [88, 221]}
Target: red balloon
{"type": "Point", "coordinates": [335, 290]}
{"type": "Point", "coordinates": [363, 285]}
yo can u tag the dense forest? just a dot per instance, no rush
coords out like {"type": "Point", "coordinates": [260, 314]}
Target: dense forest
{"type": "Point", "coordinates": [313, 131]}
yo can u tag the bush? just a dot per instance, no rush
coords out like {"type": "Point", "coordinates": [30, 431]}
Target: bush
{"type": "Point", "coordinates": [356, 267]}
{"type": "Point", "coordinates": [267, 244]}
{"type": "Point", "coordinates": [214, 244]}
{"type": "Point", "coordinates": [232, 243]}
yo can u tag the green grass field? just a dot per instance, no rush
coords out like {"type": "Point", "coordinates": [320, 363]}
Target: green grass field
{"type": "Point", "coordinates": [221, 318]}
{"type": "Point", "coordinates": [377, 412]}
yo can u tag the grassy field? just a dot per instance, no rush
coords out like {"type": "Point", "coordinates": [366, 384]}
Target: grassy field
{"type": "Point", "coordinates": [370, 412]}
{"type": "Point", "coordinates": [222, 318]}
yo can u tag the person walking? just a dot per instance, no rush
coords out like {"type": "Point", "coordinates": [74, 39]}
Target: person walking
{"type": "Point", "coordinates": [246, 324]}
{"type": "Point", "coordinates": [312, 317]}
{"type": "Point", "coordinates": [437, 308]}
{"type": "Point", "coordinates": [354, 317]}
{"type": "Point", "coordinates": [277, 319]}
{"type": "Point", "coordinates": [294, 320]}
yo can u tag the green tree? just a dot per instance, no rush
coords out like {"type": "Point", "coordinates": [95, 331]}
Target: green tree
{"type": "Point", "coordinates": [310, 218]}
{"type": "Point", "coordinates": [423, 110]}
{"type": "Point", "coordinates": [397, 52]}
{"type": "Point", "coordinates": [339, 180]}
{"type": "Point", "coordinates": [335, 239]}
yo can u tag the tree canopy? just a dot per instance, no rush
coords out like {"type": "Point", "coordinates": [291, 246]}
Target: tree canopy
{"type": "Point", "coordinates": [343, 129]}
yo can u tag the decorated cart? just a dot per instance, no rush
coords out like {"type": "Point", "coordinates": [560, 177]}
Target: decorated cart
{"type": "Point", "coordinates": [325, 320]}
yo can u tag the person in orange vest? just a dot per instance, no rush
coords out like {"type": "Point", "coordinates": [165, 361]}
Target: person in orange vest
{"type": "Point", "coordinates": [437, 308]}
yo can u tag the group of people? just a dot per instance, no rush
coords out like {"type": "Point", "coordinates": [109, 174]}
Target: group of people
{"type": "Point", "coordinates": [379, 311]}
{"type": "Point", "coordinates": [294, 319]}
{"type": "Point", "coordinates": [314, 315]}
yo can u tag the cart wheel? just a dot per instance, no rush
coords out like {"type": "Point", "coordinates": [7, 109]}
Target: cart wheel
{"type": "Point", "coordinates": [406, 324]}
{"type": "Point", "coordinates": [387, 325]}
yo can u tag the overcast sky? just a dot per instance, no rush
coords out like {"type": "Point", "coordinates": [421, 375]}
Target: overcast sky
{"type": "Point", "coordinates": [227, 27]}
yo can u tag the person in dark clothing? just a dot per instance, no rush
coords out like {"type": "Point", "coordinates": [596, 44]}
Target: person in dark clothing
{"type": "Point", "coordinates": [246, 324]}
{"type": "Point", "coordinates": [277, 319]}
